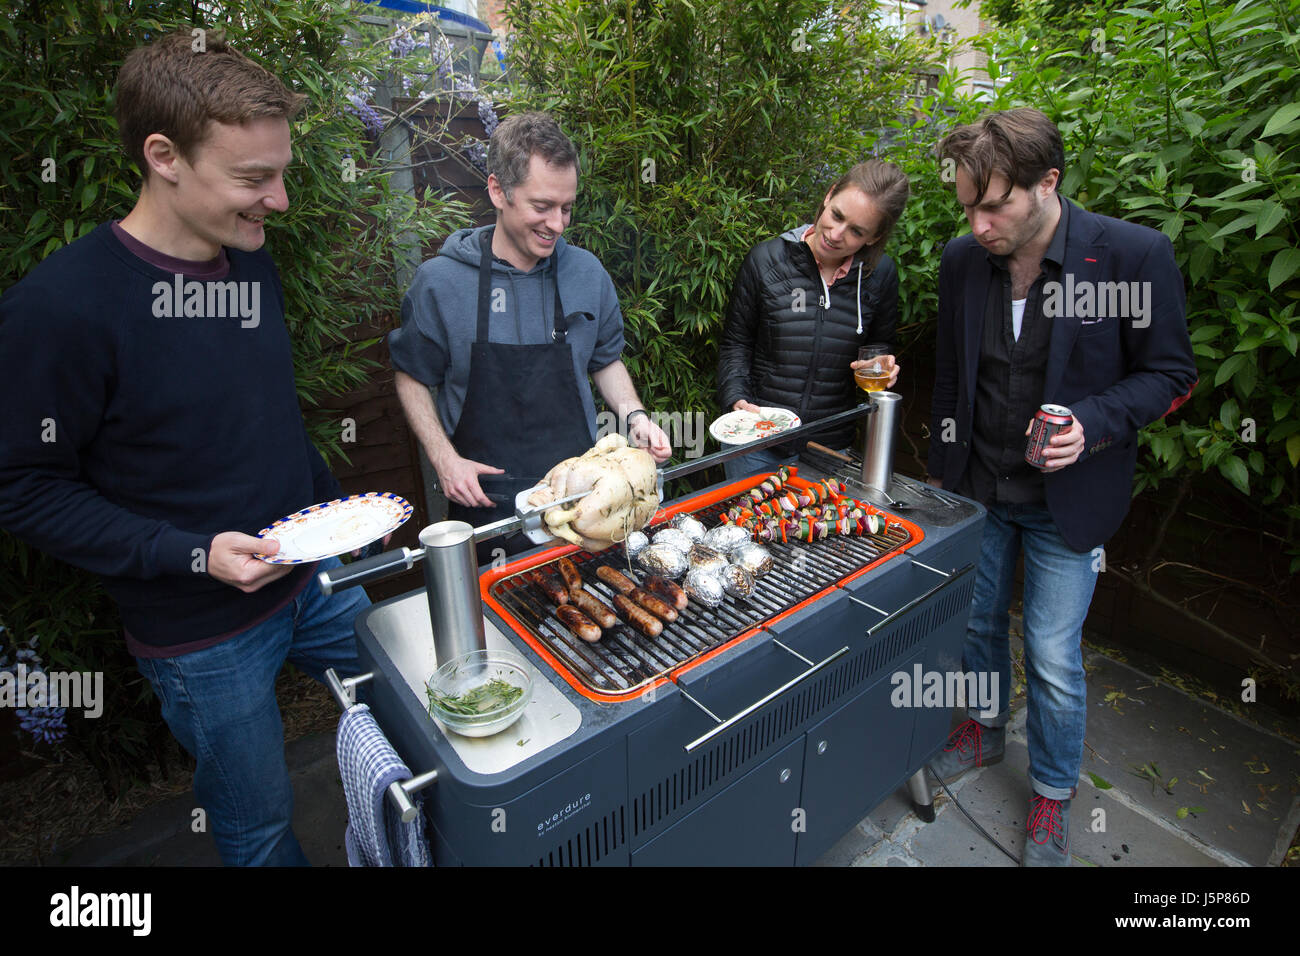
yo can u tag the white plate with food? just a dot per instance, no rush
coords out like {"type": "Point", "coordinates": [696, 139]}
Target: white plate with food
{"type": "Point", "coordinates": [335, 527]}
{"type": "Point", "coordinates": [740, 428]}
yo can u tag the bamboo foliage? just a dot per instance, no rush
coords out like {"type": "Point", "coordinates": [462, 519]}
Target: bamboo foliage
{"type": "Point", "coordinates": [704, 129]}
{"type": "Point", "coordinates": [65, 172]}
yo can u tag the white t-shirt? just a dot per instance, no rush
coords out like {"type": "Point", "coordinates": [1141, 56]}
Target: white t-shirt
{"type": "Point", "coordinates": [1017, 316]}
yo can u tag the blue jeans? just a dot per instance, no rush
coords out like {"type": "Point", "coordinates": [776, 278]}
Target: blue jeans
{"type": "Point", "coordinates": [761, 462]}
{"type": "Point", "coordinates": [1058, 589]}
{"type": "Point", "coordinates": [220, 703]}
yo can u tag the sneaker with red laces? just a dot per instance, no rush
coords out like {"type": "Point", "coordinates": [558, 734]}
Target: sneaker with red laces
{"type": "Point", "coordinates": [969, 746]}
{"type": "Point", "coordinates": [1047, 841]}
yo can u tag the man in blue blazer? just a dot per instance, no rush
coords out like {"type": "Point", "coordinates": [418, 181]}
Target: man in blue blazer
{"type": "Point", "coordinates": [1044, 302]}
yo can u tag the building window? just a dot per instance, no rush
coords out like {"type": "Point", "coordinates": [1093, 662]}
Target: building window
{"type": "Point", "coordinates": [900, 15]}
{"type": "Point", "coordinates": [986, 90]}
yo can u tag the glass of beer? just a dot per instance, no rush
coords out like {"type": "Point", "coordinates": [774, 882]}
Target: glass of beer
{"type": "Point", "coordinates": [874, 376]}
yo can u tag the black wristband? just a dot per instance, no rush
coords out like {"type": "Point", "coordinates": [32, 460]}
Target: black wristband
{"type": "Point", "coordinates": [635, 411]}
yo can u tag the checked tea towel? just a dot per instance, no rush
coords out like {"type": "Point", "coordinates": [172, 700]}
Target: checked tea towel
{"type": "Point", "coordinates": [376, 835]}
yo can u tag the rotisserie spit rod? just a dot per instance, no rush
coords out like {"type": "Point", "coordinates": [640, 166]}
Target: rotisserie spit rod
{"type": "Point", "coordinates": [369, 570]}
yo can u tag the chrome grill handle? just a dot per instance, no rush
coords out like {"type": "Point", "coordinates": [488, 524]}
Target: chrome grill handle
{"type": "Point", "coordinates": [889, 617]}
{"type": "Point", "coordinates": [763, 701]}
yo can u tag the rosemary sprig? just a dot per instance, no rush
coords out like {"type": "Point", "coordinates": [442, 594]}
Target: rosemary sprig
{"type": "Point", "coordinates": [496, 694]}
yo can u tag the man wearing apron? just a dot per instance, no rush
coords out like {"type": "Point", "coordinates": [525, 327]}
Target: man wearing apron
{"type": "Point", "coordinates": [507, 322]}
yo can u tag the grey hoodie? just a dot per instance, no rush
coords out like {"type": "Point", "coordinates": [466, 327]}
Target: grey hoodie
{"type": "Point", "coordinates": [440, 312]}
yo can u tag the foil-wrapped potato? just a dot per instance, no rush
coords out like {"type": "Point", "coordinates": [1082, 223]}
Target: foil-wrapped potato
{"type": "Point", "coordinates": [725, 537]}
{"type": "Point", "coordinates": [704, 558]}
{"type": "Point", "coordinates": [635, 542]}
{"type": "Point", "coordinates": [753, 557]}
{"type": "Point", "coordinates": [736, 580]}
{"type": "Point", "coordinates": [663, 559]}
{"type": "Point", "coordinates": [673, 538]}
{"type": "Point", "coordinates": [689, 526]}
{"type": "Point", "coordinates": [704, 587]}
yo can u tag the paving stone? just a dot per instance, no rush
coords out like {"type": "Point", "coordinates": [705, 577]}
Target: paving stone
{"type": "Point", "coordinates": [1246, 779]}
{"type": "Point", "coordinates": [320, 812]}
{"type": "Point", "coordinates": [887, 853]}
{"type": "Point", "coordinates": [1130, 838]}
{"type": "Point", "coordinates": [164, 834]}
{"type": "Point", "coordinates": [852, 845]}
{"type": "Point", "coordinates": [892, 811]}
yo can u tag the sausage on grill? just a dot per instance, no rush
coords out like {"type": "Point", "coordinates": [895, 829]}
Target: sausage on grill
{"type": "Point", "coordinates": [593, 607]}
{"type": "Point", "coordinates": [659, 608]}
{"type": "Point", "coordinates": [572, 579]}
{"type": "Point", "coordinates": [550, 586]}
{"type": "Point", "coordinates": [616, 579]}
{"type": "Point", "coordinates": [670, 591]}
{"type": "Point", "coordinates": [641, 619]}
{"type": "Point", "coordinates": [578, 623]}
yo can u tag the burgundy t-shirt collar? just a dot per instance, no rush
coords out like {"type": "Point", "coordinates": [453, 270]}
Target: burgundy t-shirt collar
{"type": "Point", "coordinates": [217, 267]}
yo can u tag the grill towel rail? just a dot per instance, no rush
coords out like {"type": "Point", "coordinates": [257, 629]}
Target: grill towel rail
{"type": "Point", "coordinates": [399, 792]}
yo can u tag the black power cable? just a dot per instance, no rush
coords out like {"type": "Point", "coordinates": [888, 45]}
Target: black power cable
{"type": "Point", "coordinates": [957, 803]}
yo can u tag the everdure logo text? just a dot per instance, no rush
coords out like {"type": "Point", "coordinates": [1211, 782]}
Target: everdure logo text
{"type": "Point", "coordinates": [560, 816]}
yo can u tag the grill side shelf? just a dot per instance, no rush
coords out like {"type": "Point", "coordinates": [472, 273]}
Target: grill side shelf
{"type": "Point", "coordinates": [927, 599]}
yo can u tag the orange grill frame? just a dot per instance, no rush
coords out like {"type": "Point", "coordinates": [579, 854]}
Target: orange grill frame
{"type": "Point", "coordinates": [691, 504]}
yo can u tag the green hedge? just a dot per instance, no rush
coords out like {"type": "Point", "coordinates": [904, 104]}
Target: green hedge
{"type": "Point", "coordinates": [1185, 116]}
{"type": "Point", "coordinates": [334, 249]}
{"type": "Point", "coordinates": [704, 129]}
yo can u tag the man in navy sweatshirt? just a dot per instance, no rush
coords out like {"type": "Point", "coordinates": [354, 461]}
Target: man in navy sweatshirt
{"type": "Point", "coordinates": [152, 427]}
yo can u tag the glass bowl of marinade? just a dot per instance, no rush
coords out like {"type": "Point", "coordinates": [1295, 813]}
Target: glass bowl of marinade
{"type": "Point", "coordinates": [480, 693]}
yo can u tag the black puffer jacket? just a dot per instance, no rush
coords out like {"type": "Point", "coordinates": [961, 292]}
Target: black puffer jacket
{"type": "Point", "coordinates": [785, 345]}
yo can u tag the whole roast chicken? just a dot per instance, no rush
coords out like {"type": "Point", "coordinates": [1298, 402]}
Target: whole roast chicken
{"type": "Point", "coordinates": [620, 481]}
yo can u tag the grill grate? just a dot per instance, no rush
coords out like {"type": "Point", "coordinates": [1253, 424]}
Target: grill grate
{"type": "Point", "coordinates": [624, 660]}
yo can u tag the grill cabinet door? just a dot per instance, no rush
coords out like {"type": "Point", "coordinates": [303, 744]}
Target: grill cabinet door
{"type": "Point", "coordinates": [852, 761]}
{"type": "Point", "coordinates": [747, 824]}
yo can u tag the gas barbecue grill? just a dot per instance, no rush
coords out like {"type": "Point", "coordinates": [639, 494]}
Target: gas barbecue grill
{"type": "Point", "coordinates": [756, 733]}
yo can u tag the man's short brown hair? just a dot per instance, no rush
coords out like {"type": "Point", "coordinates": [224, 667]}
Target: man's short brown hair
{"type": "Point", "coordinates": [169, 88]}
{"type": "Point", "coordinates": [1021, 144]}
{"type": "Point", "coordinates": [517, 139]}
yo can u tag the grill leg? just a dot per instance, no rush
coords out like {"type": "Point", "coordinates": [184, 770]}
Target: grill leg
{"type": "Point", "coordinates": [919, 790]}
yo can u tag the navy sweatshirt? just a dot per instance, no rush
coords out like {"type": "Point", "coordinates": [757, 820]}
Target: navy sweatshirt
{"type": "Point", "coordinates": [133, 432]}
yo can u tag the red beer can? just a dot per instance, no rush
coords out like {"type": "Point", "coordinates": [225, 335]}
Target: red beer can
{"type": "Point", "coordinates": [1049, 421]}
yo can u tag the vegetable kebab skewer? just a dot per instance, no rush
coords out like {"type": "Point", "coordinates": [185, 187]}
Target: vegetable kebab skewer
{"type": "Point", "coordinates": [779, 510]}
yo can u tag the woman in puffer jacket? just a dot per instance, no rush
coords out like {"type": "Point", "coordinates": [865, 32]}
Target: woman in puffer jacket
{"type": "Point", "coordinates": [805, 302]}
